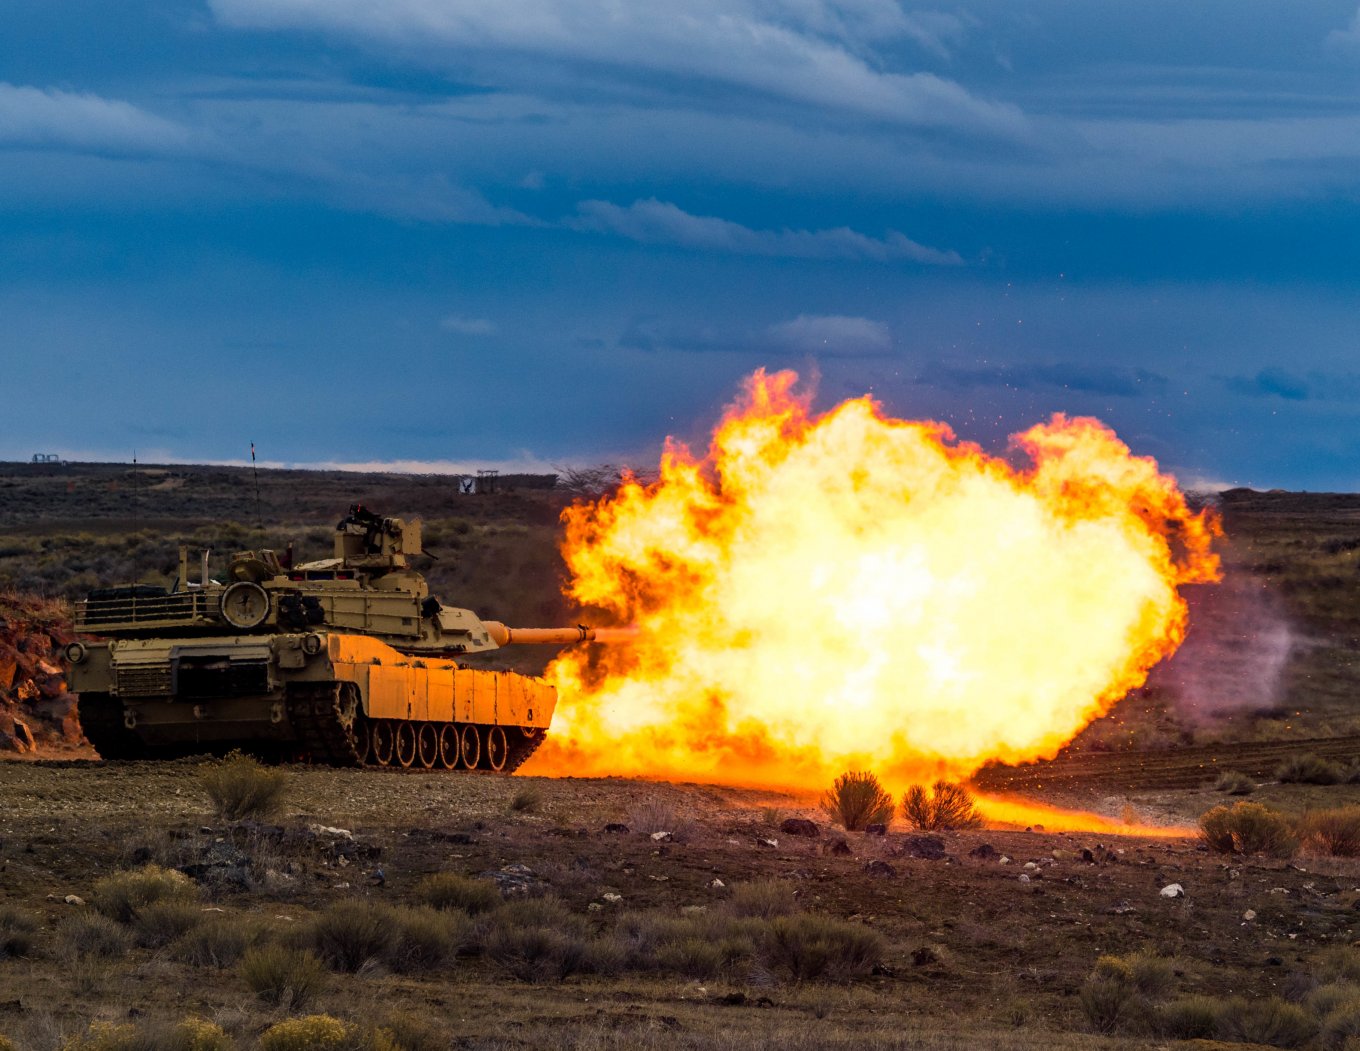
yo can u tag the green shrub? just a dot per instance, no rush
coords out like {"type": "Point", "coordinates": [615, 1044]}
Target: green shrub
{"type": "Point", "coordinates": [219, 943]}
{"type": "Point", "coordinates": [1235, 783]}
{"type": "Point", "coordinates": [279, 975]}
{"type": "Point", "coordinates": [424, 939]}
{"type": "Point", "coordinates": [1189, 1017]}
{"type": "Point", "coordinates": [809, 946]}
{"type": "Point", "coordinates": [1335, 831]}
{"type": "Point", "coordinates": [1265, 1020]}
{"type": "Point", "coordinates": [90, 934]}
{"type": "Point", "coordinates": [350, 935]}
{"type": "Point", "coordinates": [947, 805]}
{"type": "Point", "coordinates": [536, 954]}
{"type": "Point", "coordinates": [121, 895]}
{"type": "Point", "coordinates": [763, 899]}
{"type": "Point", "coordinates": [448, 890]}
{"type": "Point", "coordinates": [1310, 769]}
{"type": "Point", "coordinates": [1247, 828]}
{"type": "Point", "coordinates": [239, 787]}
{"type": "Point", "coordinates": [1108, 1003]}
{"type": "Point", "coordinates": [857, 799]}
{"type": "Point", "coordinates": [162, 922]}
{"type": "Point", "coordinates": [17, 929]}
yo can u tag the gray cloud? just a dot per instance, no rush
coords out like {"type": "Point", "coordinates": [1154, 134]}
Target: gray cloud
{"type": "Point", "coordinates": [660, 222]}
{"type": "Point", "coordinates": [807, 335]}
{"type": "Point", "coordinates": [1346, 40]}
{"type": "Point", "coordinates": [468, 326]}
{"type": "Point", "coordinates": [48, 117]}
{"type": "Point", "coordinates": [1112, 380]}
{"type": "Point", "coordinates": [1268, 383]}
{"type": "Point", "coordinates": [832, 335]}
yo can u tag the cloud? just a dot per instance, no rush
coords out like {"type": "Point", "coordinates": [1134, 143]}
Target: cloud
{"type": "Point", "coordinates": [468, 326]}
{"type": "Point", "coordinates": [48, 117]}
{"type": "Point", "coordinates": [833, 335]}
{"type": "Point", "coordinates": [1346, 40]}
{"type": "Point", "coordinates": [806, 52]}
{"type": "Point", "coordinates": [1110, 380]}
{"type": "Point", "coordinates": [662, 223]}
{"type": "Point", "coordinates": [1271, 383]}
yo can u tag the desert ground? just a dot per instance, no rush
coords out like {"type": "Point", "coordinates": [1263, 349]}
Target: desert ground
{"type": "Point", "coordinates": [518, 912]}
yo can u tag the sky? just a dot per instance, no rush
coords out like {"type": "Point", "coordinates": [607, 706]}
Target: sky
{"type": "Point", "coordinates": [441, 234]}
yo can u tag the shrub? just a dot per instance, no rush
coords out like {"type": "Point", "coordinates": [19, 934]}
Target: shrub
{"type": "Point", "coordinates": [547, 911]}
{"type": "Point", "coordinates": [536, 954]}
{"type": "Point", "coordinates": [946, 806]}
{"type": "Point", "coordinates": [1235, 783]}
{"type": "Point", "coordinates": [90, 934]}
{"type": "Point", "coordinates": [857, 799]}
{"type": "Point", "coordinates": [240, 787]}
{"type": "Point", "coordinates": [279, 975]}
{"type": "Point", "coordinates": [447, 890]}
{"type": "Point", "coordinates": [763, 899]}
{"type": "Point", "coordinates": [6, 1044]}
{"type": "Point", "coordinates": [1267, 1020]}
{"type": "Point", "coordinates": [162, 922]}
{"type": "Point", "coordinates": [310, 1033]}
{"type": "Point", "coordinates": [1337, 963]}
{"type": "Point", "coordinates": [1247, 828]}
{"type": "Point", "coordinates": [1189, 1017]}
{"type": "Point", "coordinates": [17, 928]}
{"type": "Point", "coordinates": [809, 946]}
{"type": "Point", "coordinates": [105, 1036]}
{"type": "Point", "coordinates": [218, 943]}
{"type": "Point", "coordinates": [1152, 975]}
{"type": "Point", "coordinates": [693, 957]}
{"type": "Point", "coordinates": [1335, 831]}
{"type": "Point", "coordinates": [1325, 999]}
{"type": "Point", "coordinates": [350, 935]}
{"type": "Point", "coordinates": [424, 939]}
{"type": "Point", "coordinates": [526, 800]}
{"type": "Point", "coordinates": [409, 1033]}
{"type": "Point", "coordinates": [1310, 769]}
{"type": "Point", "coordinates": [1108, 1002]}
{"type": "Point", "coordinates": [1341, 1022]}
{"type": "Point", "coordinates": [196, 1034]}
{"type": "Point", "coordinates": [654, 816]}
{"type": "Point", "coordinates": [121, 895]}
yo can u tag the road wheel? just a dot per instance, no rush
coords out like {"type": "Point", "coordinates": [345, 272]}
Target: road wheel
{"type": "Point", "coordinates": [381, 738]}
{"type": "Point", "coordinates": [405, 743]}
{"type": "Point", "coordinates": [497, 750]}
{"type": "Point", "coordinates": [427, 745]}
{"type": "Point", "coordinates": [449, 749]}
{"type": "Point", "coordinates": [472, 747]}
{"type": "Point", "coordinates": [363, 740]}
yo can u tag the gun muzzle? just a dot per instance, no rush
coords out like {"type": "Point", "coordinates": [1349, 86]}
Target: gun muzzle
{"type": "Point", "coordinates": [503, 635]}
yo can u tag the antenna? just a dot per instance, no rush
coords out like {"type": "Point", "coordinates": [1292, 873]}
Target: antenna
{"type": "Point", "coordinates": [136, 517]}
{"type": "Point", "coordinates": [259, 517]}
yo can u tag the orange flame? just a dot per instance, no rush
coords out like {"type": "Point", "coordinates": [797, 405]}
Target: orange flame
{"type": "Point", "coordinates": [853, 591]}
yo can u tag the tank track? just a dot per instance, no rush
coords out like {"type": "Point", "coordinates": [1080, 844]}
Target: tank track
{"type": "Point", "coordinates": [323, 714]}
{"type": "Point", "coordinates": [521, 749]}
{"type": "Point", "coordinates": [101, 720]}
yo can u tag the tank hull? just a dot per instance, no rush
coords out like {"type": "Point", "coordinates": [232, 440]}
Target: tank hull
{"type": "Point", "coordinates": [330, 697]}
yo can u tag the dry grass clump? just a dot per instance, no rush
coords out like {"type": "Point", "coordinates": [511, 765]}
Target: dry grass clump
{"type": "Point", "coordinates": [219, 942]}
{"type": "Point", "coordinates": [763, 899]}
{"type": "Point", "coordinates": [239, 787]}
{"type": "Point", "coordinates": [425, 939]}
{"type": "Point", "coordinates": [1335, 831]}
{"type": "Point", "coordinates": [1247, 828]}
{"type": "Point", "coordinates": [946, 806]}
{"type": "Point", "coordinates": [283, 976]}
{"type": "Point", "coordinates": [91, 935]}
{"type": "Point", "coordinates": [856, 799]}
{"type": "Point", "coordinates": [1234, 783]}
{"type": "Point", "coordinates": [1189, 1017]}
{"type": "Point", "coordinates": [162, 922]}
{"type": "Point", "coordinates": [1265, 1020]}
{"type": "Point", "coordinates": [653, 815]}
{"type": "Point", "coordinates": [536, 954]}
{"type": "Point", "coordinates": [123, 895]}
{"type": "Point", "coordinates": [351, 935]}
{"type": "Point", "coordinates": [526, 800]}
{"type": "Point", "coordinates": [810, 946]}
{"type": "Point", "coordinates": [1337, 963]}
{"type": "Point", "coordinates": [1340, 1021]}
{"type": "Point", "coordinates": [192, 1034]}
{"type": "Point", "coordinates": [1122, 993]}
{"type": "Point", "coordinates": [17, 929]}
{"type": "Point", "coordinates": [1309, 769]}
{"type": "Point", "coordinates": [448, 890]}
{"type": "Point", "coordinates": [324, 1033]}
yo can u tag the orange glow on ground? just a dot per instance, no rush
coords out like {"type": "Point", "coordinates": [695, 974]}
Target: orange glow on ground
{"type": "Point", "coordinates": [1004, 811]}
{"type": "Point", "coordinates": [849, 591]}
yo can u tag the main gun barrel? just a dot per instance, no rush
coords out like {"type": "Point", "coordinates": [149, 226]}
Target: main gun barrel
{"type": "Point", "coordinates": [503, 635]}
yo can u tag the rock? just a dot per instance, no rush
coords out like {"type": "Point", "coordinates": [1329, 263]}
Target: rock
{"type": "Point", "coordinates": [928, 847]}
{"type": "Point", "coordinates": [1087, 856]}
{"type": "Point", "coordinates": [327, 830]}
{"type": "Point", "coordinates": [1173, 890]}
{"type": "Point", "coordinates": [219, 864]}
{"type": "Point", "coordinates": [1030, 866]}
{"type": "Point", "coordinates": [616, 827]}
{"type": "Point", "coordinates": [513, 880]}
{"type": "Point", "coordinates": [662, 837]}
{"type": "Point", "coordinates": [923, 956]}
{"type": "Point", "coordinates": [73, 899]}
{"type": "Point", "coordinates": [594, 906]}
{"type": "Point", "coordinates": [1274, 961]}
{"type": "Point", "coordinates": [985, 851]}
{"type": "Point", "coordinates": [800, 826]}
{"type": "Point", "coordinates": [879, 869]}
{"type": "Point", "coordinates": [767, 843]}
{"type": "Point", "coordinates": [837, 846]}
{"type": "Point", "coordinates": [1023, 877]}
{"type": "Point", "coordinates": [693, 910]}
{"type": "Point", "coordinates": [1123, 908]}
{"type": "Point", "coordinates": [1249, 915]}
{"type": "Point", "coordinates": [730, 999]}
{"type": "Point", "coordinates": [612, 898]}
{"type": "Point", "coordinates": [716, 884]}
{"type": "Point", "coordinates": [1003, 860]}
{"type": "Point", "coordinates": [876, 829]}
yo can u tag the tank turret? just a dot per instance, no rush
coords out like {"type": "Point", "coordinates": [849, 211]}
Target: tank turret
{"type": "Point", "coordinates": [347, 659]}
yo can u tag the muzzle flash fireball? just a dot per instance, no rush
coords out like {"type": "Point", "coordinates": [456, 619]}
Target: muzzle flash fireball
{"type": "Point", "coordinates": [849, 590]}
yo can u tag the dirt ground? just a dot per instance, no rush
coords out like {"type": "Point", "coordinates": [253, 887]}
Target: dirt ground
{"type": "Point", "coordinates": [977, 949]}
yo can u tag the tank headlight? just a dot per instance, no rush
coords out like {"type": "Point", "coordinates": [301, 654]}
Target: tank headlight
{"type": "Point", "coordinates": [76, 652]}
{"type": "Point", "coordinates": [311, 645]}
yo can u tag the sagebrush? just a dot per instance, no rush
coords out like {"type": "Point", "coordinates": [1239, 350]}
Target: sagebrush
{"type": "Point", "coordinates": [857, 799]}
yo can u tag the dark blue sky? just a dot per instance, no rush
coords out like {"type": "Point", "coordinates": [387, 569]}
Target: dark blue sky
{"type": "Point", "coordinates": [526, 232]}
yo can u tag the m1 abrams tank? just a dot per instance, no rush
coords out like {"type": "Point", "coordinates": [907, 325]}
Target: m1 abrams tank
{"type": "Point", "coordinates": [348, 661]}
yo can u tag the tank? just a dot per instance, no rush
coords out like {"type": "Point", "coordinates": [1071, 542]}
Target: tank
{"type": "Point", "coordinates": [348, 661]}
